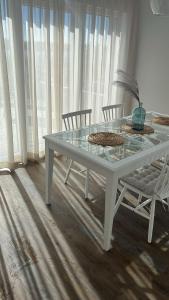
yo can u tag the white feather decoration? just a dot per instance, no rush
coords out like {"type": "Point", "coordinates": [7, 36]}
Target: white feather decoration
{"type": "Point", "coordinates": [124, 80]}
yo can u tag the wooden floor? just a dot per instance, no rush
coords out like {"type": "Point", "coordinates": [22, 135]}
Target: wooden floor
{"type": "Point", "coordinates": [55, 253]}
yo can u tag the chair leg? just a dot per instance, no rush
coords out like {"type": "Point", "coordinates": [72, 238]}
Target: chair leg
{"type": "Point", "coordinates": [168, 203]}
{"type": "Point", "coordinates": [151, 222]}
{"type": "Point", "coordinates": [139, 198]}
{"type": "Point", "coordinates": [87, 184]}
{"type": "Point", "coordinates": [120, 199]}
{"type": "Point", "coordinates": [68, 171]}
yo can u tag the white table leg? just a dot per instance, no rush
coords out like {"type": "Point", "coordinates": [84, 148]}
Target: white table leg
{"type": "Point", "coordinates": [49, 153]}
{"type": "Point", "coordinates": [110, 200]}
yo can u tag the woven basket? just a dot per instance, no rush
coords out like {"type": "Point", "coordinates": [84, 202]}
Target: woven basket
{"type": "Point", "coordinates": [128, 128]}
{"type": "Point", "coordinates": [106, 139]}
{"type": "Point", "coordinates": [161, 120]}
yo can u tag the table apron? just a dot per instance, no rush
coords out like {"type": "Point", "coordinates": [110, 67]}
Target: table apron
{"type": "Point", "coordinates": [119, 169]}
{"type": "Point", "coordinates": [128, 166]}
{"type": "Point", "coordinates": [88, 162]}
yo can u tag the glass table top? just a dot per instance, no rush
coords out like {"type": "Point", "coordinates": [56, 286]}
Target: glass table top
{"type": "Point", "coordinates": [132, 143]}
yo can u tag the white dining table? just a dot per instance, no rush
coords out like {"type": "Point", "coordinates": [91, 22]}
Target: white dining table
{"type": "Point", "coordinates": [111, 162]}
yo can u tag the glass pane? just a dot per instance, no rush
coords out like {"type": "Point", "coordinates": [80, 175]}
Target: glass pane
{"type": "Point", "coordinates": [132, 143]}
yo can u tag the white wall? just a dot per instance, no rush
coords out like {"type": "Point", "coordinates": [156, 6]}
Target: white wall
{"type": "Point", "coordinates": [152, 67]}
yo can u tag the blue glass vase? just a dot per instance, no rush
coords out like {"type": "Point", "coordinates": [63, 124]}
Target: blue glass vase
{"type": "Point", "coordinates": [138, 118]}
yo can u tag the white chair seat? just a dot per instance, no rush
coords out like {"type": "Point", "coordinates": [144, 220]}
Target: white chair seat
{"type": "Point", "coordinates": [143, 179]}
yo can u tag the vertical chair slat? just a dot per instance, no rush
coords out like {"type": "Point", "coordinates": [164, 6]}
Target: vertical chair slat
{"type": "Point", "coordinates": [76, 121]}
{"type": "Point", "coordinates": [105, 113]}
{"type": "Point", "coordinates": [72, 122]}
{"type": "Point", "coordinates": [109, 115]}
{"type": "Point", "coordinates": [68, 124]}
{"type": "Point", "coordinates": [112, 114]}
{"type": "Point", "coordinates": [115, 113]}
{"type": "Point", "coordinates": [65, 124]}
{"type": "Point", "coordinates": [89, 119]}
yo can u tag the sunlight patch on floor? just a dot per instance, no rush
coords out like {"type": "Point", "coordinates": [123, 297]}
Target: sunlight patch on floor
{"type": "Point", "coordinates": [37, 272]}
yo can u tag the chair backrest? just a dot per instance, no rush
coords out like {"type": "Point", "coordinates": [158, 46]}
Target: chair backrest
{"type": "Point", "coordinates": [112, 112]}
{"type": "Point", "coordinates": [162, 186]}
{"type": "Point", "coordinates": [77, 119]}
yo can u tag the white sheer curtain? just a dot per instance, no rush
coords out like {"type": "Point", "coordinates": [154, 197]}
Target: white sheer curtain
{"type": "Point", "coordinates": [58, 56]}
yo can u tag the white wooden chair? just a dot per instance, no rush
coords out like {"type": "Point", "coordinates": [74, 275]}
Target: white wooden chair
{"type": "Point", "coordinates": [112, 112]}
{"type": "Point", "coordinates": [72, 121]}
{"type": "Point", "coordinates": [149, 182]}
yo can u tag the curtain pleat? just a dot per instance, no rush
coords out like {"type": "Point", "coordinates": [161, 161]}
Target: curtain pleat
{"type": "Point", "coordinates": [17, 43]}
{"type": "Point", "coordinates": [48, 68]}
{"type": "Point", "coordinates": [33, 138]}
{"type": "Point", "coordinates": [5, 101]}
{"type": "Point", "coordinates": [58, 56]}
{"type": "Point", "coordinates": [57, 62]}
